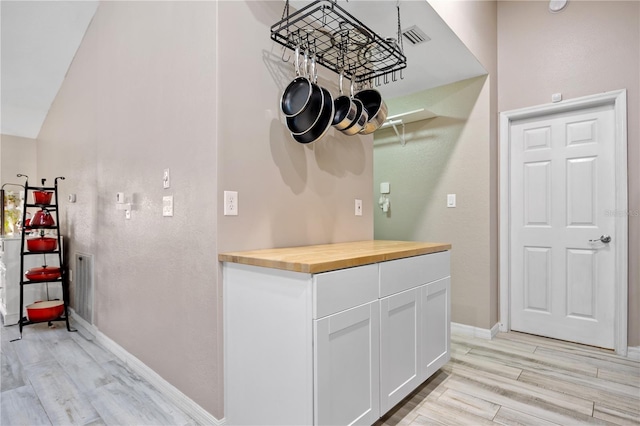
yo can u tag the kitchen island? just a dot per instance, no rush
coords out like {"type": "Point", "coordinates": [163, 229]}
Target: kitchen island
{"type": "Point", "coordinates": [334, 333]}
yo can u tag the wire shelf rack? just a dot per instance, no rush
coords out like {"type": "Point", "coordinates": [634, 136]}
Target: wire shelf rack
{"type": "Point", "coordinates": [340, 42]}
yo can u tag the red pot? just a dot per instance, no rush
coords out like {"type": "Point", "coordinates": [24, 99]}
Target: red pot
{"type": "Point", "coordinates": [44, 273]}
{"type": "Point", "coordinates": [42, 244]}
{"type": "Point", "coordinates": [45, 311]}
{"type": "Point", "coordinates": [42, 197]}
{"type": "Point", "coordinates": [42, 218]}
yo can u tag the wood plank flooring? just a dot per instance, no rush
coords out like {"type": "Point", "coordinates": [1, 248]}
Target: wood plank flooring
{"type": "Point", "coordinates": [520, 379]}
{"type": "Point", "coordinates": [53, 377]}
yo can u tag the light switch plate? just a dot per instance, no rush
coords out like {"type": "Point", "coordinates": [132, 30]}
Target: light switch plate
{"type": "Point", "coordinates": [451, 200]}
{"type": "Point", "coordinates": [167, 205]}
{"type": "Point", "coordinates": [358, 206]}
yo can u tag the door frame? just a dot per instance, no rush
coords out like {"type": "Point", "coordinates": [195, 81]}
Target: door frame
{"type": "Point", "coordinates": [618, 99]}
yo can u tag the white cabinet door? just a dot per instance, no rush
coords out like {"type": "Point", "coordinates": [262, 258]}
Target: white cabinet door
{"type": "Point", "coordinates": [435, 318]}
{"type": "Point", "coordinates": [400, 337]}
{"type": "Point", "coordinates": [347, 367]}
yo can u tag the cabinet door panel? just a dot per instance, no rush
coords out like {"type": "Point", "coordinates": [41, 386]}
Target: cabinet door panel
{"type": "Point", "coordinates": [399, 347]}
{"type": "Point", "coordinates": [346, 371]}
{"type": "Point", "coordinates": [435, 318]}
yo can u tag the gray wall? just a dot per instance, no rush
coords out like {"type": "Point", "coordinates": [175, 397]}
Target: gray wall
{"type": "Point", "coordinates": [168, 84]}
{"type": "Point", "coordinates": [455, 152]}
{"type": "Point", "coordinates": [140, 96]}
{"type": "Point", "coordinates": [590, 47]}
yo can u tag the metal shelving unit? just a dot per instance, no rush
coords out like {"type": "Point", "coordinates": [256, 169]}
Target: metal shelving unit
{"type": "Point", "coordinates": [52, 207]}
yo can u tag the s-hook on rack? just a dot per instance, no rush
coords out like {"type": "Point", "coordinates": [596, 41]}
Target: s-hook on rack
{"type": "Point", "coordinates": [341, 42]}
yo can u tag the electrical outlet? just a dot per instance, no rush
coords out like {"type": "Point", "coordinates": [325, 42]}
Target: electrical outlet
{"type": "Point", "coordinates": [358, 207]}
{"type": "Point", "coordinates": [166, 179]}
{"type": "Point", "coordinates": [230, 203]}
{"type": "Point", "coordinates": [167, 205]}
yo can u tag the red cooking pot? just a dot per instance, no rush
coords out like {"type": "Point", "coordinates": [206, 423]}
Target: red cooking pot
{"type": "Point", "coordinates": [42, 197]}
{"type": "Point", "coordinates": [42, 218]}
{"type": "Point", "coordinates": [44, 273]}
{"type": "Point", "coordinates": [42, 244]}
{"type": "Point", "coordinates": [45, 311]}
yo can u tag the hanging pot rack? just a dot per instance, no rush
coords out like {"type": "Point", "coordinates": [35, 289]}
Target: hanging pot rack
{"type": "Point", "coordinates": [341, 42]}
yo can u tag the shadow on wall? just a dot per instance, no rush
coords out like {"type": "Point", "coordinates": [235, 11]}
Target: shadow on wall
{"type": "Point", "coordinates": [416, 170]}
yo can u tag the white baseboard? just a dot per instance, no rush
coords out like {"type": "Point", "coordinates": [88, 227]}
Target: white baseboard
{"type": "Point", "coordinates": [633, 352]}
{"type": "Point", "coordinates": [471, 331]}
{"type": "Point", "coordinates": [186, 404]}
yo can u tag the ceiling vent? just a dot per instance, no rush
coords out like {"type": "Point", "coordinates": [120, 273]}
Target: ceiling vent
{"type": "Point", "coordinates": [415, 35]}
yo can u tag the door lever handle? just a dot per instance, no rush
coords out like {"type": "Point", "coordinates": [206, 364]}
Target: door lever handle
{"type": "Point", "coordinates": [603, 239]}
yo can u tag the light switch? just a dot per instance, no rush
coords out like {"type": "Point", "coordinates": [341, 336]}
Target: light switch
{"type": "Point", "coordinates": [166, 179]}
{"type": "Point", "coordinates": [451, 200]}
{"type": "Point", "coordinates": [385, 188]}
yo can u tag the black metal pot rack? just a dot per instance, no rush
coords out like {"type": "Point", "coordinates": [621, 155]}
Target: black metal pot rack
{"type": "Point", "coordinates": [52, 207]}
{"type": "Point", "coordinates": [341, 42]}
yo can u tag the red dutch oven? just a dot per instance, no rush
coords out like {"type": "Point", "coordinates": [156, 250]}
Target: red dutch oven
{"type": "Point", "coordinates": [42, 197]}
{"type": "Point", "coordinates": [44, 273]}
{"type": "Point", "coordinates": [45, 311]}
{"type": "Point", "coordinates": [42, 244]}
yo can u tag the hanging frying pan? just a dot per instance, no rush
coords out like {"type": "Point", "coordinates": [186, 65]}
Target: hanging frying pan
{"type": "Point", "coordinates": [300, 92]}
{"type": "Point", "coordinates": [345, 109]}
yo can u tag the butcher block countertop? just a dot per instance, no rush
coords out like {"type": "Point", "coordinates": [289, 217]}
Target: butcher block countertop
{"type": "Point", "coordinates": [330, 257]}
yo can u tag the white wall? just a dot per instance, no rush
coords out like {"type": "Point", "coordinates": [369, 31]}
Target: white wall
{"type": "Point", "coordinates": [17, 155]}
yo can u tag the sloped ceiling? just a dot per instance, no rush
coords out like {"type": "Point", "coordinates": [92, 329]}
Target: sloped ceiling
{"type": "Point", "coordinates": [38, 42]}
{"type": "Point", "coordinates": [40, 38]}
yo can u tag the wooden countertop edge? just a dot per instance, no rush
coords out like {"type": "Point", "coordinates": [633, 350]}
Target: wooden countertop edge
{"type": "Point", "coordinates": [348, 261]}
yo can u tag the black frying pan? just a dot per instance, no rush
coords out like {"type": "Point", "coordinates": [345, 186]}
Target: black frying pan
{"type": "Point", "coordinates": [296, 96]}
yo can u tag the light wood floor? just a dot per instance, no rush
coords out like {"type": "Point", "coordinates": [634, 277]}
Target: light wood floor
{"type": "Point", "coordinates": [53, 377]}
{"type": "Point", "coordinates": [60, 378]}
{"type": "Point", "coordinates": [519, 379]}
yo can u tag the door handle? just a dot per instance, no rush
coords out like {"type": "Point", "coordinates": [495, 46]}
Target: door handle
{"type": "Point", "coordinates": [603, 239]}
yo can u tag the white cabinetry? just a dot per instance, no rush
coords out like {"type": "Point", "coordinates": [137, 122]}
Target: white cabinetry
{"type": "Point", "coordinates": [400, 346]}
{"type": "Point", "coordinates": [346, 367]}
{"type": "Point", "coordinates": [414, 323]}
{"type": "Point", "coordinates": [332, 348]}
{"type": "Point", "coordinates": [10, 280]}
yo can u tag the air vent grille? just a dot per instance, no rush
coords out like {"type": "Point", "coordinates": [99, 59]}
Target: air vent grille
{"type": "Point", "coordinates": [415, 35]}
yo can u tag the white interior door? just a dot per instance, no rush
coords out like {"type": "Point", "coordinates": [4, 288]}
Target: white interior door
{"type": "Point", "coordinates": [562, 200]}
